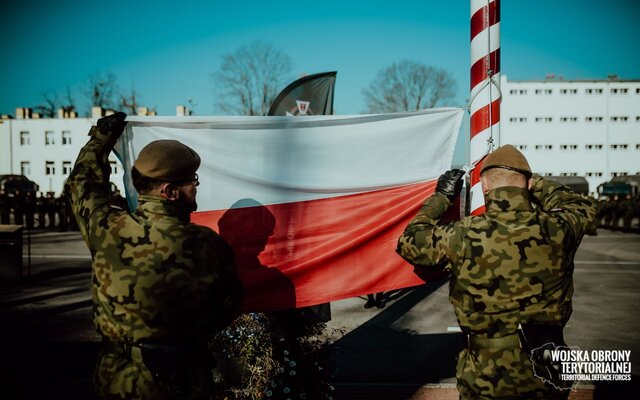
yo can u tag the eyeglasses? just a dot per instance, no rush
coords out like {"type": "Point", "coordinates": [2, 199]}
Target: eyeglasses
{"type": "Point", "coordinates": [195, 181]}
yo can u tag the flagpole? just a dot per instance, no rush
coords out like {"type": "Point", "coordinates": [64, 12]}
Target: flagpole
{"type": "Point", "coordinates": [485, 93]}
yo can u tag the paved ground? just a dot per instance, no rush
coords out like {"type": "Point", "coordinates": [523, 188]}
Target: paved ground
{"type": "Point", "coordinates": [405, 351]}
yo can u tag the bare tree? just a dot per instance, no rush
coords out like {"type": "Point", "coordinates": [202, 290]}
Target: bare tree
{"type": "Point", "coordinates": [53, 101]}
{"type": "Point", "coordinates": [49, 108]}
{"type": "Point", "coordinates": [101, 89]}
{"type": "Point", "coordinates": [249, 79]}
{"type": "Point", "coordinates": [409, 86]}
{"type": "Point", "coordinates": [128, 102]}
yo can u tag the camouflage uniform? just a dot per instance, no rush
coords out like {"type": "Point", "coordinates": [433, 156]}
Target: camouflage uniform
{"type": "Point", "coordinates": [511, 265]}
{"type": "Point", "coordinates": [157, 280]}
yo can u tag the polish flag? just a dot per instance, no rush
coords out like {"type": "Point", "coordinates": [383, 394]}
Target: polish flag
{"type": "Point", "coordinates": [312, 206]}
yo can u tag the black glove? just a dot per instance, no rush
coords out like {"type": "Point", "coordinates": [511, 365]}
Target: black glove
{"type": "Point", "coordinates": [450, 183]}
{"type": "Point", "coordinates": [112, 125]}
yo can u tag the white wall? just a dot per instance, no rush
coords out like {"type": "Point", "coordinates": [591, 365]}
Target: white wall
{"type": "Point", "coordinates": [14, 153]}
{"type": "Point", "coordinates": [581, 128]}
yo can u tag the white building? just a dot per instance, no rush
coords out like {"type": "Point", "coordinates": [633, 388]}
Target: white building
{"type": "Point", "coordinates": [45, 149]}
{"type": "Point", "coordinates": [588, 128]}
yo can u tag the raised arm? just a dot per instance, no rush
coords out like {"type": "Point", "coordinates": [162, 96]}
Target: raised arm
{"type": "Point", "coordinates": [88, 183]}
{"type": "Point", "coordinates": [424, 242]}
{"type": "Point", "coordinates": [576, 211]}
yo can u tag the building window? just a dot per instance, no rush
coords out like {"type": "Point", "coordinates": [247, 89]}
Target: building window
{"type": "Point", "coordinates": [522, 119]}
{"type": "Point", "coordinates": [114, 167]}
{"type": "Point", "coordinates": [66, 138]}
{"type": "Point", "coordinates": [637, 90]}
{"type": "Point", "coordinates": [568, 119]}
{"type": "Point", "coordinates": [49, 168]}
{"type": "Point", "coordinates": [568, 146]}
{"type": "Point", "coordinates": [568, 174]}
{"type": "Point", "coordinates": [638, 118]}
{"type": "Point", "coordinates": [619, 91]}
{"type": "Point", "coordinates": [593, 146]}
{"type": "Point", "coordinates": [25, 168]}
{"type": "Point", "coordinates": [513, 119]}
{"type": "Point", "coordinates": [544, 147]}
{"type": "Point", "coordinates": [66, 168]}
{"type": "Point", "coordinates": [523, 91]}
{"type": "Point", "coordinates": [638, 147]}
{"type": "Point", "coordinates": [25, 138]}
{"type": "Point", "coordinates": [524, 146]}
{"type": "Point", "coordinates": [545, 91]}
{"type": "Point", "coordinates": [619, 119]}
{"type": "Point", "coordinates": [614, 174]}
{"type": "Point", "coordinates": [619, 146]}
{"type": "Point", "coordinates": [48, 138]}
{"type": "Point", "coordinates": [568, 91]}
{"type": "Point", "coordinates": [592, 174]}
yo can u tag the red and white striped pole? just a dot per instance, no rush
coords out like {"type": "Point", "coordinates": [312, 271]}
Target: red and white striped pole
{"type": "Point", "coordinates": [485, 94]}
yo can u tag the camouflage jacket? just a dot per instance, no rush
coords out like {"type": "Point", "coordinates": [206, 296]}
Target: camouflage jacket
{"type": "Point", "coordinates": [155, 275]}
{"type": "Point", "coordinates": [513, 263]}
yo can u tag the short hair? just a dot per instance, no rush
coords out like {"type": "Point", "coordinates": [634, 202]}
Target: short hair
{"type": "Point", "coordinates": [505, 177]}
{"type": "Point", "coordinates": [142, 183]}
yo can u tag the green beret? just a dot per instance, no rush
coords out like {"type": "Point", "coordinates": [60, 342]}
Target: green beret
{"type": "Point", "coordinates": [167, 160]}
{"type": "Point", "coordinates": [507, 157]}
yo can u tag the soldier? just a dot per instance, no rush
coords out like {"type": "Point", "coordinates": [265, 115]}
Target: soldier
{"type": "Point", "coordinates": [161, 285]}
{"type": "Point", "coordinates": [627, 212]}
{"type": "Point", "coordinates": [62, 204]}
{"type": "Point", "coordinates": [30, 209]}
{"type": "Point", "coordinates": [5, 208]}
{"type": "Point", "coordinates": [18, 208]}
{"type": "Point", "coordinates": [511, 265]}
{"type": "Point", "coordinates": [41, 207]}
{"type": "Point", "coordinates": [51, 209]}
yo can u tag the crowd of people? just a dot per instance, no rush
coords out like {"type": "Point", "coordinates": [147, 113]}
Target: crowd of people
{"type": "Point", "coordinates": [36, 211]}
{"type": "Point", "coordinates": [619, 212]}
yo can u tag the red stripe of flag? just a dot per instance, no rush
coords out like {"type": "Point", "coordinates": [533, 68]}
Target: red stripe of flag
{"type": "Point", "coordinates": [305, 253]}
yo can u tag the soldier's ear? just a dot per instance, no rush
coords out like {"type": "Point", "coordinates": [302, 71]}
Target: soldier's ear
{"type": "Point", "coordinates": [485, 184]}
{"type": "Point", "coordinates": [169, 191]}
{"type": "Point", "coordinates": [530, 183]}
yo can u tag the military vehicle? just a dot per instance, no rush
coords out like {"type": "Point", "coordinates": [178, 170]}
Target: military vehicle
{"type": "Point", "coordinates": [621, 186]}
{"type": "Point", "coordinates": [13, 183]}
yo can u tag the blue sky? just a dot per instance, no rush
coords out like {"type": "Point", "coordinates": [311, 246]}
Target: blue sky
{"type": "Point", "coordinates": [169, 49]}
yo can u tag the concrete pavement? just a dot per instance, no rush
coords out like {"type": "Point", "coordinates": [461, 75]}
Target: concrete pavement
{"type": "Point", "coordinates": [406, 350]}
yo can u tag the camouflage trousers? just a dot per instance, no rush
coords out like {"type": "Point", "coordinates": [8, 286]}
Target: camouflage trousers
{"type": "Point", "coordinates": [485, 374]}
{"type": "Point", "coordinates": [125, 376]}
